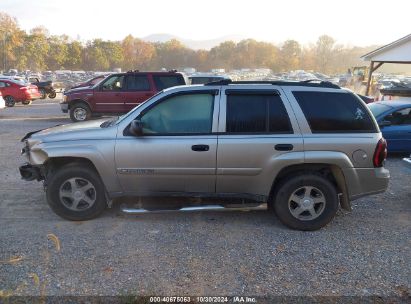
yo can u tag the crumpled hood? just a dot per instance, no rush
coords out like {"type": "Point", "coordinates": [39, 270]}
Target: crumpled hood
{"type": "Point", "coordinates": [74, 131]}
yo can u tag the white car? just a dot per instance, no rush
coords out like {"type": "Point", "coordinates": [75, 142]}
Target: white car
{"type": "Point", "coordinates": [2, 103]}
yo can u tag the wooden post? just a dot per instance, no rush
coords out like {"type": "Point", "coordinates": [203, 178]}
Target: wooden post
{"type": "Point", "coordinates": [367, 90]}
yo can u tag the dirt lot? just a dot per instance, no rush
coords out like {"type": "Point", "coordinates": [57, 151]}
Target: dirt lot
{"type": "Point", "coordinates": [365, 252]}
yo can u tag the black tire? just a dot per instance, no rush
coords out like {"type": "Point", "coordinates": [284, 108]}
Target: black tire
{"type": "Point", "coordinates": [80, 108]}
{"type": "Point", "coordinates": [79, 172]}
{"type": "Point", "coordinates": [26, 102]}
{"type": "Point", "coordinates": [322, 187]}
{"type": "Point", "coordinates": [52, 94]}
{"type": "Point", "coordinates": [10, 101]}
{"type": "Point", "coordinates": [43, 93]}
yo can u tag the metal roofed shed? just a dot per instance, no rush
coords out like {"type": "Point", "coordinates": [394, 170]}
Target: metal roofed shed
{"type": "Point", "coordinates": [398, 51]}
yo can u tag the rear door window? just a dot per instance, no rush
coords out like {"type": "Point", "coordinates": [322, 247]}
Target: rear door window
{"type": "Point", "coordinates": [137, 83]}
{"type": "Point", "coordinates": [332, 112]}
{"type": "Point", "coordinates": [164, 82]}
{"type": "Point", "coordinates": [256, 113]}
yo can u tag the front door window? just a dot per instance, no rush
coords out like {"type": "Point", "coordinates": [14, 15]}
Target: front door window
{"type": "Point", "coordinates": [181, 114]}
{"type": "Point", "coordinates": [114, 83]}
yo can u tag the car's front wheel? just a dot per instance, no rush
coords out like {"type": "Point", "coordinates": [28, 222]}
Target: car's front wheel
{"type": "Point", "coordinates": [306, 202]}
{"type": "Point", "coordinates": [80, 112]}
{"type": "Point", "coordinates": [75, 192]}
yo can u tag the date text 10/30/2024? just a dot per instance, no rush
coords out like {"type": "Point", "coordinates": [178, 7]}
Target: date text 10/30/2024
{"type": "Point", "coordinates": [205, 299]}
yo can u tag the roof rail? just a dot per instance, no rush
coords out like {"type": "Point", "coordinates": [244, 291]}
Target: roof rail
{"type": "Point", "coordinates": [309, 83]}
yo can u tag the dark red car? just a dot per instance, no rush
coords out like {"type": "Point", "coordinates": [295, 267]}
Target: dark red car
{"type": "Point", "coordinates": [18, 91]}
{"type": "Point", "coordinates": [117, 94]}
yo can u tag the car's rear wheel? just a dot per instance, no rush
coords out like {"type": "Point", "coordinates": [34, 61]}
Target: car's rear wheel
{"type": "Point", "coordinates": [306, 202]}
{"type": "Point", "coordinates": [52, 95]}
{"type": "Point", "coordinates": [43, 94]}
{"type": "Point", "coordinates": [80, 112]}
{"type": "Point", "coordinates": [75, 192]}
{"type": "Point", "coordinates": [26, 102]}
{"type": "Point", "coordinates": [10, 101]}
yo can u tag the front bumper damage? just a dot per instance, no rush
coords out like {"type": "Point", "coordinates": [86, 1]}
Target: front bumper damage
{"type": "Point", "coordinates": [29, 172]}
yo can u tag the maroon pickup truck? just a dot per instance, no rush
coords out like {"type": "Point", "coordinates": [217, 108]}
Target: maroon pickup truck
{"type": "Point", "coordinates": [117, 94]}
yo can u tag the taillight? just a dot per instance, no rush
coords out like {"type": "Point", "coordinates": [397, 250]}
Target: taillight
{"type": "Point", "coordinates": [380, 153]}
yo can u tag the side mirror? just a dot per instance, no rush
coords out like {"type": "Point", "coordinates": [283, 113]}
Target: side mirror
{"type": "Point", "coordinates": [384, 123]}
{"type": "Point", "coordinates": [136, 127]}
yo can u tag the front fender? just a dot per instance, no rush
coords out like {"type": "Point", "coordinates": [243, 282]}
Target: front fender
{"type": "Point", "coordinates": [103, 160]}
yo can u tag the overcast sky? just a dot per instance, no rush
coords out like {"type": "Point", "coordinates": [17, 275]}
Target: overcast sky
{"type": "Point", "coordinates": [355, 22]}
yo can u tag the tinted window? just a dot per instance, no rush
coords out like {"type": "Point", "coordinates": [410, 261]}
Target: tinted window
{"type": "Point", "coordinates": [334, 112]}
{"type": "Point", "coordinates": [400, 117]}
{"type": "Point", "coordinates": [256, 114]}
{"type": "Point", "coordinates": [182, 114]}
{"type": "Point", "coordinates": [164, 82]}
{"type": "Point", "coordinates": [114, 83]}
{"type": "Point", "coordinates": [137, 83]}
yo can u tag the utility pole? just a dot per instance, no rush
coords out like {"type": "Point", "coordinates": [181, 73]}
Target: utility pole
{"type": "Point", "coordinates": [4, 52]}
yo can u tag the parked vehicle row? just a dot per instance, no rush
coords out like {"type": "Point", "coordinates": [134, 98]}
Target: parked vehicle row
{"type": "Point", "coordinates": [304, 149]}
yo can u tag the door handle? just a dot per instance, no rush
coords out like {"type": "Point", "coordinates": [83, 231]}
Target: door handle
{"type": "Point", "coordinates": [284, 147]}
{"type": "Point", "coordinates": [200, 148]}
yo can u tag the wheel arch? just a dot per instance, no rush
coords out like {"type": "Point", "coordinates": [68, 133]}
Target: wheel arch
{"type": "Point", "coordinates": [91, 158]}
{"type": "Point", "coordinates": [77, 101]}
{"type": "Point", "coordinates": [331, 171]}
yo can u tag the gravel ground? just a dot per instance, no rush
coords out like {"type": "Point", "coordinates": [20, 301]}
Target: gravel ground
{"type": "Point", "coordinates": [361, 253]}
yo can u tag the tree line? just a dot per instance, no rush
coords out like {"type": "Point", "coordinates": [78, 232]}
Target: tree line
{"type": "Point", "coordinates": [37, 50]}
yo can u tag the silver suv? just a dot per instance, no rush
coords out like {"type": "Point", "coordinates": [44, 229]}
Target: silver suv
{"type": "Point", "coordinates": [301, 148]}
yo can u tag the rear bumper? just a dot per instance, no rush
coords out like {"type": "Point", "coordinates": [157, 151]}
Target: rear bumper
{"type": "Point", "coordinates": [32, 96]}
{"type": "Point", "coordinates": [29, 172]}
{"type": "Point", "coordinates": [366, 181]}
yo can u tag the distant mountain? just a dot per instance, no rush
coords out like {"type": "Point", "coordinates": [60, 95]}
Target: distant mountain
{"type": "Point", "coordinates": [193, 44]}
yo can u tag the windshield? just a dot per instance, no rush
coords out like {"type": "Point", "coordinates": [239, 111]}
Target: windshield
{"type": "Point", "coordinates": [377, 108]}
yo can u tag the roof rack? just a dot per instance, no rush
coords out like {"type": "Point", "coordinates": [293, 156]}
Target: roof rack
{"type": "Point", "coordinates": [306, 83]}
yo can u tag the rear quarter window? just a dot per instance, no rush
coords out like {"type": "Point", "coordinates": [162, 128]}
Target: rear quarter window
{"type": "Point", "coordinates": [333, 112]}
{"type": "Point", "coordinates": [164, 82]}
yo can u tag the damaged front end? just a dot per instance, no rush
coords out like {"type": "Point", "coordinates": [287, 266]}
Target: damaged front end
{"type": "Point", "coordinates": [33, 169]}
{"type": "Point", "coordinates": [29, 172]}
